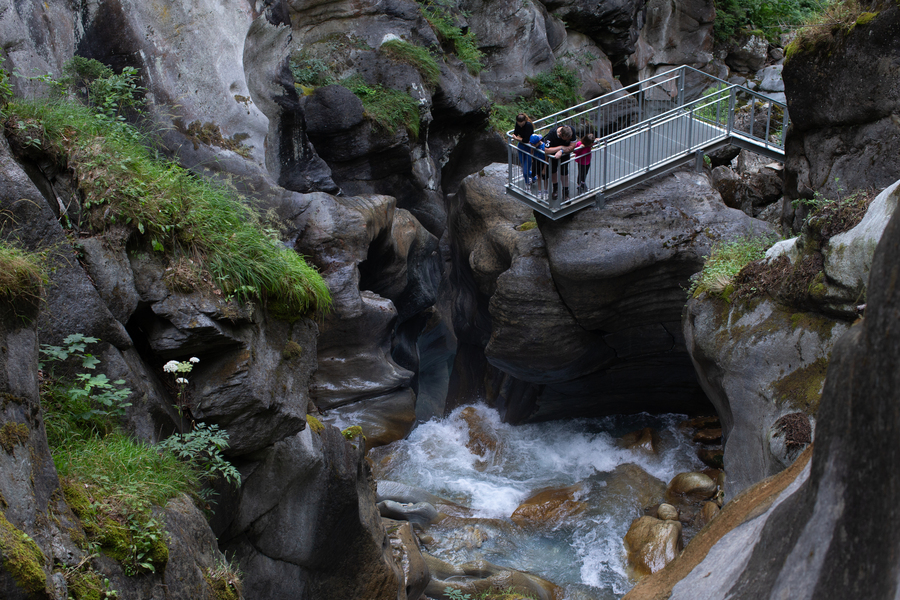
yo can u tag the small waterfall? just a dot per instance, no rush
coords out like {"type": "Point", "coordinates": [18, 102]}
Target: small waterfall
{"type": "Point", "coordinates": [583, 552]}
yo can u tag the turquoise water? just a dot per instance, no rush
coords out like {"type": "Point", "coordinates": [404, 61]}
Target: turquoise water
{"type": "Point", "coordinates": [584, 554]}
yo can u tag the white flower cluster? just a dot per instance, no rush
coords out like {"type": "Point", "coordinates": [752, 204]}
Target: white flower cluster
{"type": "Point", "coordinates": [185, 366]}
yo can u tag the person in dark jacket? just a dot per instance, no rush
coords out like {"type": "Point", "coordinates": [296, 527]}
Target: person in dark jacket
{"type": "Point", "coordinates": [522, 133]}
{"type": "Point", "coordinates": [560, 142]}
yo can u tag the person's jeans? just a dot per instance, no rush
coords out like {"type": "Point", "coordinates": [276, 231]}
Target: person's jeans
{"type": "Point", "coordinates": [525, 160]}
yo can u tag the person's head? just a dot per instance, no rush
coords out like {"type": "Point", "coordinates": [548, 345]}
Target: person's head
{"type": "Point", "coordinates": [535, 139]}
{"type": "Point", "coordinates": [521, 118]}
{"type": "Point", "coordinates": [565, 133]}
{"type": "Point", "coordinates": [587, 139]}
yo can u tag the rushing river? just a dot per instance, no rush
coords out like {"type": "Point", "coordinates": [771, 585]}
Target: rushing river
{"type": "Point", "coordinates": [583, 554]}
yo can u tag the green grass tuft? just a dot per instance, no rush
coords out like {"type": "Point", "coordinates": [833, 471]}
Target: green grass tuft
{"type": "Point", "coordinates": [21, 275]}
{"type": "Point", "coordinates": [465, 45]}
{"type": "Point", "coordinates": [725, 260]}
{"type": "Point", "coordinates": [125, 471]}
{"type": "Point", "coordinates": [553, 91]}
{"type": "Point", "coordinates": [389, 109]}
{"type": "Point", "coordinates": [123, 182]}
{"type": "Point", "coordinates": [417, 56]}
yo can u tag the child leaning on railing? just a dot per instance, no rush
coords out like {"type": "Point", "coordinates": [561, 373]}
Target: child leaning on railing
{"type": "Point", "coordinates": [582, 155]}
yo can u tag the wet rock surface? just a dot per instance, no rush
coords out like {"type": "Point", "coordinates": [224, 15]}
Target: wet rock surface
{"type": "Point", "coordinates": [842, 142]}
{"type": "Point", "coordinates": [652, 544]}
{"type": "Point", "coordinates": [597, 286]}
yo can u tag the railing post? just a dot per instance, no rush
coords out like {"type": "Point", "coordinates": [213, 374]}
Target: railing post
{"type": "Point", "coordinates": [752, 115]}
{"type": "Point", "coordinates": [604, 172]}
{"type": "Point", "coordinates": [641, 102]}
{"type": "Point", "coordinates": [649, 143]}
{"type": "Point", "coordinates": [509, 162]}
{"type": "Point", "coordinates": [690, 129]}
{"type": "Point", "coordinates": [681, 86]}
{"type": "Point", "coordinates": [718, 109]}
{"type": "Point", "coordinates": [784, 126]}
{"type": "Point", "coordinates": [731, 102]}
{"type": "Point", "coordinates": [769, 120]}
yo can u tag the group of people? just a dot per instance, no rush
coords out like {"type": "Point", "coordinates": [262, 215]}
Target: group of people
{"type": "Point", "coordinates": [552, 152]}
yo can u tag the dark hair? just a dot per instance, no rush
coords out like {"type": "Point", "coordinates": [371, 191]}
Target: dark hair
{"type": "Point", "coordinates": [522, 117]}
{"type": "Point", "coordinates": [567, 131]}
{"type": "Point", "coordinates": [588, 139]}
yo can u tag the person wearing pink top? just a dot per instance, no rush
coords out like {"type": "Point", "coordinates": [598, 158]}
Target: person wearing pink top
{"type": "Point", "coordinates": [582, 154]}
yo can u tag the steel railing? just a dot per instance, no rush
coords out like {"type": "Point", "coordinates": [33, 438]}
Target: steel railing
{"type": "Point", "coordinates": [643, 130]}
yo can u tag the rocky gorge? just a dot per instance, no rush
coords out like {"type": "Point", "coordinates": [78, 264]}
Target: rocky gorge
{"type": "Point", "coordinates": [445, 291]}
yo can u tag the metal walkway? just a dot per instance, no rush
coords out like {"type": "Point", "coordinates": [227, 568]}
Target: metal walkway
{"type": "Point", "coordinates": [645, 130]}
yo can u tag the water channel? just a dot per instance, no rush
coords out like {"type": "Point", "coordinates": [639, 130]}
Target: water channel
{"type": "Point", "coordinates": [582, 553]}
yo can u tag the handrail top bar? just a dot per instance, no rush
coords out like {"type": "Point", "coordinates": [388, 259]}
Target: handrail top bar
{"type": "Point", "coordinates": [617, 95]}
{"type": "Point", "coordinates": [676, 112]}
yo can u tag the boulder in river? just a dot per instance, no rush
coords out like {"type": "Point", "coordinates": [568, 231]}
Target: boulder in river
{"type": "Point", "coordinates": [652, 544]}
{"type": "Point", "coordinates": [690, 487]}
{"type": "Point", "coordinates": [644, 440]}
{"type": "Point", "coordinates": [549, 507]}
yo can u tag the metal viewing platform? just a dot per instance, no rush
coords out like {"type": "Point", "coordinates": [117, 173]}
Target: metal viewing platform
{"type": "Point", "coordinates": [644, 130]}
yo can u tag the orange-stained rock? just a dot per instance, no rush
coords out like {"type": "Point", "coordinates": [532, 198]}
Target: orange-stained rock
{"type": "Point", "coordinates": [708, 436]}
{"type": "Point", "coordinates": [690, 487]}
{"type": "Point", "coordinates": [652, 544]}
{"type": "Point", "coordinates": [645, 440]}
{"type": "Point", "coordinates": [700, 422]}
{"type": "Point", "coordinates": [667, 512]}
{"type": "Point", "coordinates": [549, 506]}
{"type": "Point", "coordinates": [713, 457]}
{"type": "Point", "coordinates": [707, 513]}
{"type": "Point", "coordinates": [629, 482]}
{"type": "Point", "coordinates": [482, 441]}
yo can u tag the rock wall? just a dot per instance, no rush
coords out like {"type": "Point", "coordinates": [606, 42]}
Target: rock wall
{"type": "Point", "coordinates": [821, 529]}
{"type": "Point", "coordinates": [42, 543]}
{"type": "Point", "coordinates": [587, 303]}
{"type": "Point", "coordinates": [836, 146]}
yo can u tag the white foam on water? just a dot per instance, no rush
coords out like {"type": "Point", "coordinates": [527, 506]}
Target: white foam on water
{"type": "Point", "coordinates": [586, 550]}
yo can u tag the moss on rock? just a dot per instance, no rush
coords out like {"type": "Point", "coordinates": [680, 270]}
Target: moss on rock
{"type": "Point", "coordinates": [222, 587]}
{"type": "Point", "coordinates": [85, 585]}
{"type": "Point", "coordinates": [115, 533]}
{"type": "Point", "coordinates": [12, 435]}
{"type": "Point", "coordinates": [291, 350]}
{"type": "Point", "coordinates": [802, 389]}
{"type": "Point", "coordinates": [23, 559]}
{"type": "Point", "coordinates": [314, 424]}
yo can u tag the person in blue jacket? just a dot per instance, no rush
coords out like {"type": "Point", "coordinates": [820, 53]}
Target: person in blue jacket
{"type": "Point", "coordinates": [540, 161]}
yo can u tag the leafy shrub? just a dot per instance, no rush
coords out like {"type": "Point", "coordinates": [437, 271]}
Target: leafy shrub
{"type": "Point", "coordinates": [109, 93]}
{"type": "Point", "coordinates": [832, 18]}
{"type": "Point", "coordinates": [439, 14]}
{"type": "Point", "coordinates": [417, 56]}
{"type": "Point", "coordinates": [122, 181]}
{"type": "Point", "coordinates": [80, 404]}
{"type": "Point", "coordinates": [725, 260]}
{"type": "Point", "coordinates": [553, 91]}
{"type": "Point", "coordinates": [558, 86]}
{"type": "Point", "coordinates": [387, 108]}
{"type": "Point", "coordinates": [110, 480]}
{"type": "Point", "coordinates": [310, 73]}
{"type": "Point", "coordinates": [202, 449]}
{"type": "Point", "coordinates": [768, 17]}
